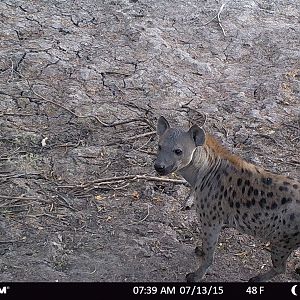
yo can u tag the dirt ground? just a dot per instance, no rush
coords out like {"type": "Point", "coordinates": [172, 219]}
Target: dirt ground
{"type": "Point", "coordinates": [82, 84]}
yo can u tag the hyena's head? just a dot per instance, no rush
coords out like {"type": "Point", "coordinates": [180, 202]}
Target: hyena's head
{"type": "Point", "coordinates": [176, 146]}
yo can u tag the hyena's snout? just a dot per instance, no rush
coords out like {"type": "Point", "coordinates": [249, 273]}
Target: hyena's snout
{"type": "Point", "coordinates": [163, 168]}
{"type": "Point", "coordinates": [159, 168]}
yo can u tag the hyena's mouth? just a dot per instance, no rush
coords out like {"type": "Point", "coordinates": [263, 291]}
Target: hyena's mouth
{"type": "Point", "coordinates": [166, 171]}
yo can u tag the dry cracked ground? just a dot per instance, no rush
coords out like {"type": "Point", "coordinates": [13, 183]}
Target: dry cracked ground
{"type": "Point", "coordinates": [82, 84]}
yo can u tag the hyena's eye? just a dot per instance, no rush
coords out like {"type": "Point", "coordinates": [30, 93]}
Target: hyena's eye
{"type": "Point", "coordinates": [178, 151]}
{"type": "Point", "coordinates": [159, 147]}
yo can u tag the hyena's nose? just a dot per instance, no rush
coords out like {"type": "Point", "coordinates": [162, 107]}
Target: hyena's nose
{"type": "Point", "coordinates": [159, 168]}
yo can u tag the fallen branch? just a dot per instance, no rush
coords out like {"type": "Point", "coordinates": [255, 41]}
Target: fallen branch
{"type": "Point", "coordinates": [118, 179]}
{"type": "Point", "coordinates": [22, 175]}
{"type": "Point", "coordinates": [18, 198]}
{"type": "Point", "coordinates": [11, 241]}
{"type": "Point", "coordinates": [10, 155]}
{"type": "Point", "coordinates": [143, 120]}
{"type": "Point", "coordinates": [57, 217]}
{"type": "Point", "coordinates": [15, 114]}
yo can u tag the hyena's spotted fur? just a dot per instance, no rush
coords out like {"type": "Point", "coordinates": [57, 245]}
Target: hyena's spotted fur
{"type": "Point", "coordinates": [230, 191]}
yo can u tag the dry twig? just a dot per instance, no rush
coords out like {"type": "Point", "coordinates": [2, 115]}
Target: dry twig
{"type": "Point", "coordinates": [146, 151]}
{"type": "Point", "coordinates": [194, 115]}
{"type": "Point", "coordinates": [218, 17]}
{"type": "Point", "coordinates": [143, 120]}
{"type": "Point", "coordinates": [140, 221]}
{"type": "Point", "coordinates": [118, 179]}
{"type": "Point", "coordinates": [11, 241]}
{"type": "Point", "coordinates": [131, 138]}
{"type": "Point", "coordinates": [18, 198]}
{"type": "Point", "coordinates": [15, 114]}
{"type": "Point", "coordinates": [22, 175]}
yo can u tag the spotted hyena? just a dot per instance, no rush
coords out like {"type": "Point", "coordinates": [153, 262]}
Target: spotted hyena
{"type": "Point", "coordinates": [230, 191]}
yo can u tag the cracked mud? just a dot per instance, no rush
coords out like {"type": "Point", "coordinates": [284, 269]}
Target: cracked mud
{"type": "Point", "coordinates": [81, 86]}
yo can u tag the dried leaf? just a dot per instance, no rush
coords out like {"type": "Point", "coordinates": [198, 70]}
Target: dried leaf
{"type": "Point", "coordinates": [241, 254]}
{"type": "Point", "coordinates": [136, 195]}
{"type": "Point", "coordinates": [44, 141]}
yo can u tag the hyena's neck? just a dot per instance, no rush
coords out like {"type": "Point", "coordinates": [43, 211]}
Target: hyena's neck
{"type": "Point", "coordinates": [210, 159]}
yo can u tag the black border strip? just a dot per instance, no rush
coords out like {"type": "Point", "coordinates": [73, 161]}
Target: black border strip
{"type": "Point", "coordinates": [98, 290]}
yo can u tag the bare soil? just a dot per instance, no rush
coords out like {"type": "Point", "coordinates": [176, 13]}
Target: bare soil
{"type": "Point", "coordinates": [82, 84]}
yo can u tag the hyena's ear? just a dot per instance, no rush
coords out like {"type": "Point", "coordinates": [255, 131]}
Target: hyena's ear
{"type": "Point", "coordinates": [197, 134]}
{"type": "Point", "coordinates": [162, 125]}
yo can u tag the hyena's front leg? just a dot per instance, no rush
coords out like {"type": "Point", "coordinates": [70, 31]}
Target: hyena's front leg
{"type": "Point", "coordinates": [210, 239]}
